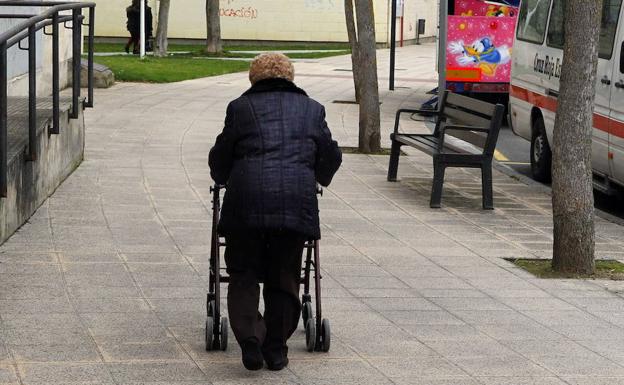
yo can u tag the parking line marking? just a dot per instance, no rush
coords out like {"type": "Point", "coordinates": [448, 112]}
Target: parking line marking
{"type": "Point", "coordinates": [500, 157]}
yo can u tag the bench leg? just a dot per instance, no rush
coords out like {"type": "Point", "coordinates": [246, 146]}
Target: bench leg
{"type": "Point", "coordinates": [486, 183]}
{"type": "Point", "coordinates": [438, 182]}
{"type": "Point", "coordinates": [393, 167]}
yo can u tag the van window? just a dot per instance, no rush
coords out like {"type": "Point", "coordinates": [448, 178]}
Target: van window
{"type": "Point", "coordinates": [532, 20]}
{"type": "Point", "coordinates": [608, 26]}
{"type": "Point", "coordinates": [556, 30]}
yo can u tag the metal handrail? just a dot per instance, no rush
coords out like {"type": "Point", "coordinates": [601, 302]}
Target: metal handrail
{"type": "Point", "coordinates": [27, 29]}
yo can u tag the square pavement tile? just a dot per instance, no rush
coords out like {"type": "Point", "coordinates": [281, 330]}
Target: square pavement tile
{"type": "Point", "coordinates": [85, 351]}
{"type": "Point", "coordinates": [491, 317]}
{"type": "Point", "coordinates": [111, 305]}
{"type": "Point", "coordinates": [464, 333]}
{"type": "Point", "coordinates": [469, 304]}
{"type": "Point", "coordinates": [400, 304]}
{"type": "Point", "coordinates": [134, 352]}
{"type": "Point", "coordinates": [508, 365]}
{"type": "Point", "coordinates": [454, 380]}
{"type": "Point", "coordinates": [32, 306]}
{"type": "Point", "coordinates": [544, 348]}
{"type": "Point", "coordinates": [529, 331]}
{"type": "Point", "coordinates": [594, 380]}
{"type": "Point", "coordinates": [57, 373]}
{"type": "Point", "coordinates": [590, 365]}
{"type": "Point", "coordinates": [421, 367]}
{"type": "Point", "coordinates": [519, 380]}
{"type": "Point", "coordinates": [330, 369]}
{"type": "Point", "coordinates": [422, 317]}
{"type": "Point", "coordinates": [128, 372]}
{"type": "Point", "coordinates": [484, 347]}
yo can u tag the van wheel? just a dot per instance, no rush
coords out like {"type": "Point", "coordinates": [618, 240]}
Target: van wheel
{"type": "Point", "coordinates": [541, 156]}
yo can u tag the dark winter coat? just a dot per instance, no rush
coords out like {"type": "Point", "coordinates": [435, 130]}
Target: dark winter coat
{"type": "Point", "coordinates": [274, 149]}
{"type": "Point", "coordinates": [133, 25]}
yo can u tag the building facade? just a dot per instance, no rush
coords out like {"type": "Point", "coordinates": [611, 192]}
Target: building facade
{"type": "Point", "coordinates": [273, 20]}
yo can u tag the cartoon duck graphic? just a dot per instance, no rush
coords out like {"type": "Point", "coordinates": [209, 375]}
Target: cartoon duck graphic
{"type": "Point", "coordinates": [482, 54]}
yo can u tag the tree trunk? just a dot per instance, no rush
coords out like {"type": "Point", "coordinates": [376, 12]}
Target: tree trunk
{"type": "Point", "coordinates": [369, 135]}
{"type": "Point", "coordinates": [573, 199]}
{"type": "Point", "coordinates": [353, 42]}
{"type": "Point", "coordinates": [213, 21]}
{"type": "Point", "coordinates": [161, 32]}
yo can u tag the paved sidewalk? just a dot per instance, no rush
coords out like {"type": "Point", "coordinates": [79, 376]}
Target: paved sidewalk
{"type": "Point", "coordinates": [106, 284]}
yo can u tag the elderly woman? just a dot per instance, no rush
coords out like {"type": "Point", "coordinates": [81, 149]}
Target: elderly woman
{"type": "Point", "coordinates": [274, 149]}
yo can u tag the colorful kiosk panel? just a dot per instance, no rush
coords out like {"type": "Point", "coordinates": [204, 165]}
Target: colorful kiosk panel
{"type": "Point", "coordinates": [479, 41]}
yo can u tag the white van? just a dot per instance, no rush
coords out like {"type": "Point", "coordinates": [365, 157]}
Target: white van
{"type": "Point", "coordinates": [536, 69]}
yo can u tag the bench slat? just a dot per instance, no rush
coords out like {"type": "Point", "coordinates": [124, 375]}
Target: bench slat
{"type": "Point", "coordinates": [465, 118]}
{"type": "Point", "coordinates": [429, 144]}
{"type": "Point", "coordinates": [475, 138]}
{"type": "Point", "coordinates": [468, 103]}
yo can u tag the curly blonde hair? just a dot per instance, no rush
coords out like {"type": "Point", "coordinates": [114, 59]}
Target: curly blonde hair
{"type": "Point", "coordinates": [269, 66]}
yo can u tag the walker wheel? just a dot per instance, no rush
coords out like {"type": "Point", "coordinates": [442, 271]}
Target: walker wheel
{"type": "Point", "coordinates": [325, 335]}
{"type": "Point", "coordinates": [224, 333]}
{"type": "Point", "coordinates": [209, 333]}
{"type": "Point", "coordinates": [306, 313]}
{"type": "Point", "coordinates": [310, 334]}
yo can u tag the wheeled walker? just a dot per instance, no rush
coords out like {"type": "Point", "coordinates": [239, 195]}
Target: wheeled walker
{"type": "Point", "coordinates": [317, 329]}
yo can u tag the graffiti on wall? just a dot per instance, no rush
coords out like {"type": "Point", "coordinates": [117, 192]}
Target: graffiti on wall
{"type": "Point", "coordinates": [232, 9]}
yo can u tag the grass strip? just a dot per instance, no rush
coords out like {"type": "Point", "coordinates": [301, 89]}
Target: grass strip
{"type": "Point", "coordinates": [542, 268]}
{"type": "Point", "coordinates": [198, 50]}
{"type": "Point", "coordinates": [167, 70]}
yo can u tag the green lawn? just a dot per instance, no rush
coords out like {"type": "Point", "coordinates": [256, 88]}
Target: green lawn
{"type": "Point", "coordinates": [167, 70]}
{"type": "Point", "coordinates": [197, 50]}
{"type": "Point", "coordinates": [185, 66]}
{"type": "Point", "coordinates": [542, 268]}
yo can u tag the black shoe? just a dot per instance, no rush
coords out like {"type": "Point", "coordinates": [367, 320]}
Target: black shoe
{"type": "Point", "coordinates": [252, 356]}
{"type": "Point", "coordinates": [275, 357]}
{"type": "Point", "coordinates": [127, 48]}
{"type": "Point", "coordinates": [278, 365]}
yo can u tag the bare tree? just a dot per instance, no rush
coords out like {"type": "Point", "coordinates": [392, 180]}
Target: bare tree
{"type": "Point", "coordinates": [161, 31]}
{"type": "Point", "coordinates": [364, 58]}
{"type": "Point", "coordinates": [213, 21]}
{"type": "Point", "coordinates": [573, 199]}
{"type": "Point", "coordinates": [353, 42]}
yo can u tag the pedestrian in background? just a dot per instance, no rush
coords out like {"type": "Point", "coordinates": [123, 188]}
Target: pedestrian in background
{"type": "Point", "coordinates": [273, 151]}
{"type": "Point", "coordinates": [133, 25]}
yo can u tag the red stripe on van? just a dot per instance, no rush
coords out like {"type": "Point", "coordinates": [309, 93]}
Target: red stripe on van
{"type": "Point", "coordinates": [542, 101]}
{"type": "Point", "coordinates": [603, 123]}
{"type": "Point", "coordinates": [617, 128]}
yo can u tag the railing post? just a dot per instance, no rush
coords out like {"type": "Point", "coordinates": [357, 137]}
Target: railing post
{"type": "Point", "coordinates": [91, 48]}
{"type": "Point", "coordinates": [32, 94]}
{"type": "Point", "coordinates": [56, 87]}
{"type": "Point", "coordinates": [3, 120]}
{"type": "Point", "coordinates": [77, 45]}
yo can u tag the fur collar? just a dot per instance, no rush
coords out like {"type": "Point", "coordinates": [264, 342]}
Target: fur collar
{"type": "Point", "coordinates": [274, 85]}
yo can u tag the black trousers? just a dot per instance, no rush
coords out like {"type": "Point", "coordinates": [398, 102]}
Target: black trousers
{"type": "Point", "coordinates": [273, 258]}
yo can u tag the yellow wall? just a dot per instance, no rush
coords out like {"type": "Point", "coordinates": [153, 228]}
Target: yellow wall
{"type": "Point", "coordinates": [284, 20]}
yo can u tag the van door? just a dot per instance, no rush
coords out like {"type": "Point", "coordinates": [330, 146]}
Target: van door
{"type": "Point", "coordinates": [616, 121]}
{"type": "Point", "coordinates": [556, 39]}
{"type": "Point", "coordinates": [604, 85]}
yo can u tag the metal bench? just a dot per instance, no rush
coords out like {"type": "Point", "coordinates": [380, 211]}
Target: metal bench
{"type": "Point", "coordinates": [472, 121]}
